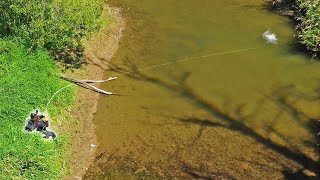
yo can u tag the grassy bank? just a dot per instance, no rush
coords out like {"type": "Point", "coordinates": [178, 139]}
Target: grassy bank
{"type": "Point", "coordinates": [27, 82]}
{"type": "Point", "coordinates": [56, 25]}
{"type": "Point", "coordinates": [309, 26]}
{"type": "Point", "coordinates": [32, 35]}
{"type": "Point", "coordinates": [307, 15]}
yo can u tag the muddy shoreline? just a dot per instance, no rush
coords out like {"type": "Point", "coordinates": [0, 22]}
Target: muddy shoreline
{"type": "Point", "coordinates": [98, 51]}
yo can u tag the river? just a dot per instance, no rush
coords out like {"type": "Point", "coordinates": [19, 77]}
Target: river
{"type": "Point", "coordinates": [246, 109]}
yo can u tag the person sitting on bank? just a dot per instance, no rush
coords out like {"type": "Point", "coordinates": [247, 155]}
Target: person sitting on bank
{"type": "Point", "coordinates": [39, 123]}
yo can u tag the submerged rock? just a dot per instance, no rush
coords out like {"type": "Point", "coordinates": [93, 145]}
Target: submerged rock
{"type": "Point", "coordinates": [270, 37]}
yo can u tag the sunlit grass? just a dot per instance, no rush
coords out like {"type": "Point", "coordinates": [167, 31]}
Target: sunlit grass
{"type": "Point", "coordinates": [27, 82]}
{"type": "Point", "coordinates": [57, 25]}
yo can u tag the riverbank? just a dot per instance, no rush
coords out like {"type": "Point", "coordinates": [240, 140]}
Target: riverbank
{"type": "Point", "coordinates": [306, 14]}
{"type": "Point", "coordinates": [98, 51]}
{"type": "Point", "coordinates": [30, 81]}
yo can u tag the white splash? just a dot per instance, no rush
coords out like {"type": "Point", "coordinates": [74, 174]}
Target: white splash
{"type": "Point", "coordinates": [93, 145]}
{"type": "Point", "coordinates": [270, 37]}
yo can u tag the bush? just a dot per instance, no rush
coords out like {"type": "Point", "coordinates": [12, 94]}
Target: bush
{"type": "Point", "coordinates": [57, 25]}
{"type": "Point", "coordinates": [27, 82]}
{"type": "Point", "coordinates": [309, 24]}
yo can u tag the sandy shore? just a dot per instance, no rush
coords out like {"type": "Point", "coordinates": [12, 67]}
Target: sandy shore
{"type": "Point", "coordinates": [99, 50]}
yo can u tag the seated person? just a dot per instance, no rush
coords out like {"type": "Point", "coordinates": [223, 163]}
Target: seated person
{"type": "Point", "coordinates": [40, 124]}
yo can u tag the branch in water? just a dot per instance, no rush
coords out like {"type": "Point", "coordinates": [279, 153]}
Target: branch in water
{"type": "Point", "coordinates": [85, 83]}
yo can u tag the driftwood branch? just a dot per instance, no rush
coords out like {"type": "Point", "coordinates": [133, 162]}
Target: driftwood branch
{"type": "Point", "coordinates": [85, 80]}
{"type": "Point", "coordinates": [85, 83]}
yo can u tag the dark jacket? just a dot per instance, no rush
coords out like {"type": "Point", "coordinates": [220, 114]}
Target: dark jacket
{"type": "Point", "coordinates": [38, 125]}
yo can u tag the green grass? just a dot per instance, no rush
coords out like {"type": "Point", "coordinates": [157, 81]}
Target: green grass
{"type": "Point", "coordinates": [28, 78]}
{"type": "Point", "coordinates": [56, 25]}
{"type": "Point", "coordinates": [27, 82]}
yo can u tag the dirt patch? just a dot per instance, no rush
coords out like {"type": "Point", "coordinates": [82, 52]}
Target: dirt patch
{"type": "Point", "coordinates": [99, 50]}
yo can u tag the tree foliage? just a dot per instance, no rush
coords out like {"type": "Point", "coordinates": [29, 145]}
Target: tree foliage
{"type": "Point", "coordinates": [57, 25]}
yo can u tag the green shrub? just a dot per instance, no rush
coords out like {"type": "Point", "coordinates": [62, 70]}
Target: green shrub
{"type": "Point", "coordinates": [309, 24]}
{"type": "Point", "coordinates": [57, 25]}
{"type": "Point", "coordinates": [27, 82]}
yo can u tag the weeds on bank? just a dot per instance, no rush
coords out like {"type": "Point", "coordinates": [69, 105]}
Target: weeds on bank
{"type": "Point", "coordinates": [29, 77]}
{"type": "Point", "coordinates": [309, 26]}
{"type": "Point", "coordinates": [56, 25]}
{"type": "Point", "coordinates": [307, 15]}
{"type": "Point", "coordinates": [27, 82]}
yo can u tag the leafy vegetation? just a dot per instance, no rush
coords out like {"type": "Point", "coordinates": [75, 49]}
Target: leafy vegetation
{"type": "Point", "coordinates": [31, 31]}
{"type": "Point", "coordinates": [309, 24]}
{"type": "Point", "coordinates": [57, 25]}
{"type": "Point", "coordinates": [27, 82]}
{"type": "Point", "coordinates": [307, 15]}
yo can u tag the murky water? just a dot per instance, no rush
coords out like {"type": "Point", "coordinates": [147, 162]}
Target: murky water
{"type": "Point", "coordinates": [248, 114]}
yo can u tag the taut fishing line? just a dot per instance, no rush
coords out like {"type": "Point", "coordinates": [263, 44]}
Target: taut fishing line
{"type": "Point", "coordinates": [155, 66]}
{"type": "Point", "coordinates": [188, 59]}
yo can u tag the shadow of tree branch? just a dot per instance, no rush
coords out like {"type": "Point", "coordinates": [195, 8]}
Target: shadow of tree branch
{"type": "Point", "coordinates": [234, 123]}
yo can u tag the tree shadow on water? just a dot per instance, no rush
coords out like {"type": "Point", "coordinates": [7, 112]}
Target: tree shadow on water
{"type": "Point", "coordinates": [237, 122]}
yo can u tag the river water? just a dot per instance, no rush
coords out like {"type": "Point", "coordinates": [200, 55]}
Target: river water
{"type": "Point", "coordinates": [232, 114]}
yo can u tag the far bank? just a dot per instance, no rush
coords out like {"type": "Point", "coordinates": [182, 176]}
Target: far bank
{"type": "Point", "coordinates": [306, 15]}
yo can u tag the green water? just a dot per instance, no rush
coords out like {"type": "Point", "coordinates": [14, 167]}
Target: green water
{"type": "Point", "coordinates": [248, 114]}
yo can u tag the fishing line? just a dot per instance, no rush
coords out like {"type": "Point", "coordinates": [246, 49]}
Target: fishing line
{"type": "Point", "coordinates": [55, 95]}
{"type": "Point", "coordinates": [187, 59]}
{"type": "Point", "coordinates": [155, 66]}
